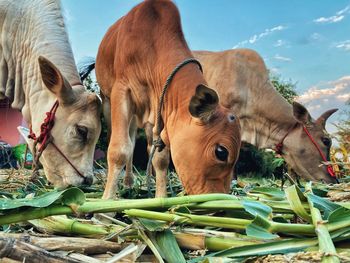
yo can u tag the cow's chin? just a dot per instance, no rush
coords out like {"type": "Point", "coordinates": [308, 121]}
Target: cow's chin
{"type": "Point", "coordinates": [323, 176]}
{"type": "Point", "coordinates": [319, 174]}
{"type": "Point", "coordinates": [63, 180]}
{"type": "Point", "coordinates": [207, 187]}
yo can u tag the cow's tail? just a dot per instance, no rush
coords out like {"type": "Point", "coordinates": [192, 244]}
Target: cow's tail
{"type": "Point", "coordinates": [86, 67]}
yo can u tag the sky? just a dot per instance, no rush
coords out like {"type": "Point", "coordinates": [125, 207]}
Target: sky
{"type": "Point", "coordinates": [306, 42]}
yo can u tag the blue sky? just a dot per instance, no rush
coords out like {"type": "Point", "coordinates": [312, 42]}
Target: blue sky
{"type": "Point", "coordinates": [305, 41]}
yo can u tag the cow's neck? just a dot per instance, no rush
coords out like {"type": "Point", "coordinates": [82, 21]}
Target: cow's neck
{"type": "Point", "coordinates": [40, 31]}
{"type": "Point", "coordinates": [265, 127]}
{"type": "Point", "coordinates": [180, 92]}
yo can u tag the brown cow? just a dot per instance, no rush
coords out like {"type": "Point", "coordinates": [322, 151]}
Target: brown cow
{"type": "Point", "coordinates": [242, 82]}
{"type": "Point", "coordinates": [135, 57]}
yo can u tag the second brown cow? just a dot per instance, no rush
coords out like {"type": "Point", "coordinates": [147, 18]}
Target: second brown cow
{"type": "Point", "coordinates": [135, 57]}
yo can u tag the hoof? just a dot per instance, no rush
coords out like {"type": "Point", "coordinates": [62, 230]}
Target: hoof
{"type": "Point", "coordinates": [129, 181]}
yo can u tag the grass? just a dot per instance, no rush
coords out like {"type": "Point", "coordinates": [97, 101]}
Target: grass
{"type": "Point", "coordinates": [255, 220]}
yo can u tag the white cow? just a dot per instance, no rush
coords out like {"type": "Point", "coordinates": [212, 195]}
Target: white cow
{"type": "Point", "coordinates": [37, 69]}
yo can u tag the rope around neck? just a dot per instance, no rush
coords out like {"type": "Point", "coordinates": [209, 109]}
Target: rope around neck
{"type": "Point", "coordinates": [157, 142]}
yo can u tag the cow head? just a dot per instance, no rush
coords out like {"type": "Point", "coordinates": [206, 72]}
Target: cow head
{"type": "Point", "coordinates": [76, 129]}
{"type": "Point", "coordinates": [299, 151]}
{"type": "Point", "coordinates": [205, 145]}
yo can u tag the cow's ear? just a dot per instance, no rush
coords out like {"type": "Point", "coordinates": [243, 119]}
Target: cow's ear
{"type": "Point", "coordinates": [300, 113]}
{"type": "Point", "coordinates": [203, 103]}
{"type": "Point", "coordinates": [55, 82]}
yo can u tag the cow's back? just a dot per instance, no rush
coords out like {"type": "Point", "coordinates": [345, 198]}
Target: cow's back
{"type": "Point", "coordinates": [139, 44]}
{"type": "Point", "coordinates": [29, 29]}
{"type": "Point", "coordinates": [239, 76]}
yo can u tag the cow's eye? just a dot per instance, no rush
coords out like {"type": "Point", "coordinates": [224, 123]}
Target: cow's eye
{"type": "Point", "coordinates": [326, 141]}
{"type": "Point", "coordinates": [221, 153]}
{"type": "Point", "coordinates": [82, 132]}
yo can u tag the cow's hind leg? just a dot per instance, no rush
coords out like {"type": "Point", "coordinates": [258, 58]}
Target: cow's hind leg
{"type": "Point", "coordinates": [160, 163]}
{"type": "Point", "coordinates": [106, 109]}
{"type": "Point", "coordinates": [120, 147]}
{"type": "Point", "coordinates": [129, 176]}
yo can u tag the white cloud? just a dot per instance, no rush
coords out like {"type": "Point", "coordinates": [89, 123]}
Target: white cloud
{"type": "Point", "coordinates": [329, 20]}
{"type": "Point", "coordinates": [316, 36]}
{"type": "Point", "coordinates": [275, 70]}
{"type": "Point", "coordinates": [344, 10]}
{"type": "Point", "coordinates": [279, 43]}
{"type": "Point", "coordinates": [332, 94]}
{"type": "Point", "coordinates": [331, 90]}
{"type": "Point", "coordinates": [281, 58]}
{"type": "Point", "coordinates": [253, 39]}
{"type": "Point", "coordinates": [344, 97]}
{"type": "Point", "coordinates": [325, 96]}
{"type": "Point", "coordinates": [345, 45]}
{"type": "Point", "coordinates": [339, 16]}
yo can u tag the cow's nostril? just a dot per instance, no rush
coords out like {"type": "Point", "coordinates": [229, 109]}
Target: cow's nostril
{"type": "Point", "coordinates": [88, 180]}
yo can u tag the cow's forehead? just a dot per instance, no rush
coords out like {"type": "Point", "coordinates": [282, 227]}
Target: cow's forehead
{"type": "Point", "coordinates": [85, 101]}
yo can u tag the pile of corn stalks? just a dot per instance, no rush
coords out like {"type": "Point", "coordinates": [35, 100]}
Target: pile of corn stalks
{"type": "Point", "coordinates": [257, 223]}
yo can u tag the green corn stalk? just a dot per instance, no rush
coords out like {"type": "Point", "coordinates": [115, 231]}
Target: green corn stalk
{"type": "Point", "coordinates": [324, 238]}
{"type": "Point", "coordinates": [105, 206]}
{"type": "Point", "coordinates": [223, 222]}
{"type": "Point", "coordinates": [64, 225]}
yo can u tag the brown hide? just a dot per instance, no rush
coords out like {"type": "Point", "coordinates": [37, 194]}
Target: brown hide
{"type": "Point", "coordinates": [134, 59]}
{"type": "Point", "coordinates": [242, 81]}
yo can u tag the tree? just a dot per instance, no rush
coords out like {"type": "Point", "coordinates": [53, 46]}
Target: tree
{"type": "Point", "coordinates": [259, 162]}
{"type": "Point", "coordinates": [285, 88]}
{"type": "Point", "coordinates": [91, 84]}
{"type": "Point", "coordinates": [343, 133]}
{"type": "Point", "coordinates": [341, 154]}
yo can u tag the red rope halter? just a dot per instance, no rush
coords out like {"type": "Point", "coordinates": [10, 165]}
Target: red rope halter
{"type": "Point", "coordinates": [45, 138]}
{"type": "Point", "coordinates": [329, 167]}
{"type": "Point", "coordinates": [279, 147]}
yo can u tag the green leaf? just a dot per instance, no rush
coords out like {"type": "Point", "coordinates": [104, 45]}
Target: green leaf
{"type": "Point", "coordinates": [274, 247]}
{"type": "Point", "coordinates": [67, 197]}
{"type": "Point", "coordinates": [277, 162]}
{"type": "Point", "coordinates": [324, 205]}
{"type": "Point", "coordinates": [340, 214]}
{"type": "Point", "coordinates": [257, 208]}
{"type": "Point", "coordinates": [270, 192]}
{"type": "Point", "coordinates": [319, 192]}
{"type": "Point", "coordinates": [259, 228]}
{"type": "Point", "coordinates": [295, 198]}
{"type": "Point", "coordinates": [73, 196]}
{"type": "Point", "coordinates": [167, 246]}
{"type": "Point", "coordinates": [153, 225]}
{"type": "Point", "coordinates": [325, 242]}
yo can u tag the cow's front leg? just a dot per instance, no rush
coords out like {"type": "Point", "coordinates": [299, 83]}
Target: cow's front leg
{"type": "Point", "coordinates": [160, 164]}
{"type": "Point", "coordinates": [120, 146]}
